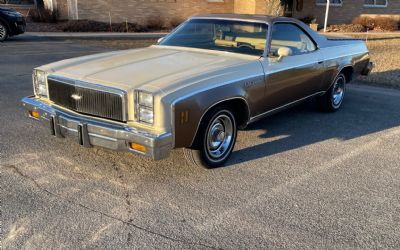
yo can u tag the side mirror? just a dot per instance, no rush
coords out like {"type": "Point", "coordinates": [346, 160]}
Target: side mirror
{"type": "Point", "coordinates": [160, 39]}
{"type": "Point", "coordinates": [284, 52]}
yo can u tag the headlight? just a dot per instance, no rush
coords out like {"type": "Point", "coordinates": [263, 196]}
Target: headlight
{"type": "Point", "coordinates": [39, 83]}
{"type": "Point", "coordinates": [145, 99]}
{"type": "Point", "coordinates": [144, 107]}
{"type": "Point", "coordinates": [146, 115]}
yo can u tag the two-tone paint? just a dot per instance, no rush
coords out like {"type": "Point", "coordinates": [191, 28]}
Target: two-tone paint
{"type": "Point", "coordinates": [186, 83]}
{"type": "Point", "coordinates": [272, 85]}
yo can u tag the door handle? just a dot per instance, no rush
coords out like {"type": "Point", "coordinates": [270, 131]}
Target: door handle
{"type": "Point", "coordinates": [320, 62]}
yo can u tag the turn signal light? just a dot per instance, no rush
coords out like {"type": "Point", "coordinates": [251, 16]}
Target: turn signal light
{"type": "Point", "coordinates": [138, 147]}
{"type": "Point", "coordinates": [34, 114]}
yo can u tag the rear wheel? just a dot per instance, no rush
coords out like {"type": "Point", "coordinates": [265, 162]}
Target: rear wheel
{"type": "Point", "coordinates": [215, 139]}
{"type": "Point", "coordinates": [332, 100]}
{"type": "Point", "coordinates": [3, 32]}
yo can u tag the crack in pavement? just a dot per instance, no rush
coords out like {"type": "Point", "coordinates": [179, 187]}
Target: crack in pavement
{"type": "Point", "coordinates": [77, 204]}
{"type": "Point", "coordinates": [286, 186]}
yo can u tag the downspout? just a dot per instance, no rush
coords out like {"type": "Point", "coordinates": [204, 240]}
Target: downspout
{"type": "Point", "coordinates": [328, 2]}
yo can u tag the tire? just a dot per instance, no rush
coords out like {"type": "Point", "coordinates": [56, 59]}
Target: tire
{"type": "Point", "coordinates": [332, 100]}
{"type": "Point", "coordinates": [215, 139]}
{"type": "Point", "coordinates": [3, 32]}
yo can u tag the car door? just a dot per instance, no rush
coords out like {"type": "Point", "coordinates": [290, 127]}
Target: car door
{"type": "Point", "coordinates": [293, 77]}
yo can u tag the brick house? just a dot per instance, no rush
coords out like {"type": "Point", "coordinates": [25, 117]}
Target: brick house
{"type": "Point", "coordinates": [344, 11]}
{"type": "Point", "coordinates": [341, 11]}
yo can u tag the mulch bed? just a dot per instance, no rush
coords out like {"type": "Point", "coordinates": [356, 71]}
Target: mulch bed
{"type": "Point", "coordinates": [91, 26]}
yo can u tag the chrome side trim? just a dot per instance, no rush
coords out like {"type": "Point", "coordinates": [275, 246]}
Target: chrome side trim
{"type": "Point", "coordinates": [275, 110]}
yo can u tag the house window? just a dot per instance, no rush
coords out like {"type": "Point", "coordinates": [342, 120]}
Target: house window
{"type": "Point", "coordinates": [333, 2]}
{"type": "Point", "coordinates": [375, 3]}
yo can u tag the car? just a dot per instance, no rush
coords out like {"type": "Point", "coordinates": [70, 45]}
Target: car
{"type": "Point", "coordinates": [195, 88]}
{"type": "Point", "coordinates": [12, 23]}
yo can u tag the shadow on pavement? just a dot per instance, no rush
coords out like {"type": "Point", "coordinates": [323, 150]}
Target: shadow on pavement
{"type": "Point", "coordinates": [362, 114]}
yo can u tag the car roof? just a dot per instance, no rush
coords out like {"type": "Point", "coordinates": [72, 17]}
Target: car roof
{"type": "Point", "coordinates": [245, 17]}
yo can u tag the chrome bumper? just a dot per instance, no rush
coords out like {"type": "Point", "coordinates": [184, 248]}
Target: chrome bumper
{"type": "Point", "coordinates": [92, 132]}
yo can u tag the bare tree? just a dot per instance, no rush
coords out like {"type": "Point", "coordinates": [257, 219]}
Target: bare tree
{"type": "Point", "coordinates": [274, 7]}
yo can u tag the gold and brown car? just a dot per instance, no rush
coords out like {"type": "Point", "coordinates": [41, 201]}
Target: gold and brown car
{"type": "Point", "coordinates": [211, 76]}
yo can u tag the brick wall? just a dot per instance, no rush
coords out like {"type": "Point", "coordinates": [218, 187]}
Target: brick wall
{"type": "Point", "coordinates": [245, 6]}
{"type": "Point", "coordinates": [347, 12]}
{"type": "Point", "coordinates": [140, 10]}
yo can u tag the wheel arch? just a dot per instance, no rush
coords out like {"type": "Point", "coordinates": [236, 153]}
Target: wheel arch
{"type": "Point", "coordinates": [237, 105]}
{"type": "Point", "coordinates": [5, 23]}
{"type": "Point", "coordinates": [347, 70]}
{"type": "Point", "coordinates": [189, 116]}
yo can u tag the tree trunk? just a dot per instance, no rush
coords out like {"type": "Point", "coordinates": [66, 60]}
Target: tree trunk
{"type": "Point", "coordinates": [274, 7]}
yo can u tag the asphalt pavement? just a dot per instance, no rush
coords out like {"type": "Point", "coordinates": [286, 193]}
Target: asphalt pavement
{"type": "Point", "coordinates": [299, 179]}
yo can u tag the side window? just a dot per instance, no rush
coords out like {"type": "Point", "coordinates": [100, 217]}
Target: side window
{"type": "Point", "coordinates": [290, 36]}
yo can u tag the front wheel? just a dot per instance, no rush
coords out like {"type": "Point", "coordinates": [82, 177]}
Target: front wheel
{"type": "Point", "coordinates": [215, 139]}
{"type": "Point", "coordinates": [332, 100]}
{"type": "Point", "coordinates": [3, 32]}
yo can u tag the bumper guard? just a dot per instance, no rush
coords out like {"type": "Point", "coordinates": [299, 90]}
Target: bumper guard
{"type": "Point", "coordinates": [92, 132]}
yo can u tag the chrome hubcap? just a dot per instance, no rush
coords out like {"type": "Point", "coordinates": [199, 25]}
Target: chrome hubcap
{"type": "Point", "coordinates": [2, 31]}
{"type": "Point", "coordinates": [338, 91]}
{"type": "Point", "coordinates": [219, 137]}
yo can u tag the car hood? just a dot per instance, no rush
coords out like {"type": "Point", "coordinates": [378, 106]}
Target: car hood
{"type": "Point", "coordinates": [158, 67]}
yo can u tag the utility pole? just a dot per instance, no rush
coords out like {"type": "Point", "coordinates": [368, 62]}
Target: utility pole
{"type": "Point", "coordinates": [328, 2]}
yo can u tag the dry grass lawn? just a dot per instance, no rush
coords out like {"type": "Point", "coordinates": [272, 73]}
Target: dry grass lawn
{"type": "Point", "coordinates": [385, 53]}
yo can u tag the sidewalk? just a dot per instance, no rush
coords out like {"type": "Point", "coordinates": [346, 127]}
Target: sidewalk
{"type": "Point", "coordinates": [93, 35]}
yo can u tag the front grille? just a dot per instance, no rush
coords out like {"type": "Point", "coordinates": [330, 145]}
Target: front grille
{"type": "Point", "coordinates": [89, 101]}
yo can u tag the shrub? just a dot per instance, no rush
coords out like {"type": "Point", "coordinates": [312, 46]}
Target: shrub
{"type": "Point", "coordinates": [155, 23]}
{"type": "Point", "coordinates": [386, 24]}
{"type": "Point", "coordinates": [367, 22]}
{"type": "Point", "coordinates": [175, 22]}
{"type": "Point", "coordinates": [43, 15]}
{"type": "Point", "coordinates": [94, 26]}
{"type": "Point", "coordinates": [346, 28]}
{"type": "Point", "coordinates": [378, 23]}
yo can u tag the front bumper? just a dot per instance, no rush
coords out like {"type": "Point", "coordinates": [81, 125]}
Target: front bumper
{"type": "Point", "coordinates": [93, 132]}
{"type": "Point", "coordinates": [17, 25]}
{"type": "Point", "coordinates": [368, 68]}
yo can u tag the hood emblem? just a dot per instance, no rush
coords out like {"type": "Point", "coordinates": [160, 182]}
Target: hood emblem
{"type": "Point", "coordinates": [76, 97]}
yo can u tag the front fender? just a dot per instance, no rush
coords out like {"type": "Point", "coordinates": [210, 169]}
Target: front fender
{"type": "Point", "coordinates": [187, 112]}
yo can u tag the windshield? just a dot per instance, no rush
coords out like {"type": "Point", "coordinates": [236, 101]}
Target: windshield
{"type": "Point", "coordinates": [223, 35]}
